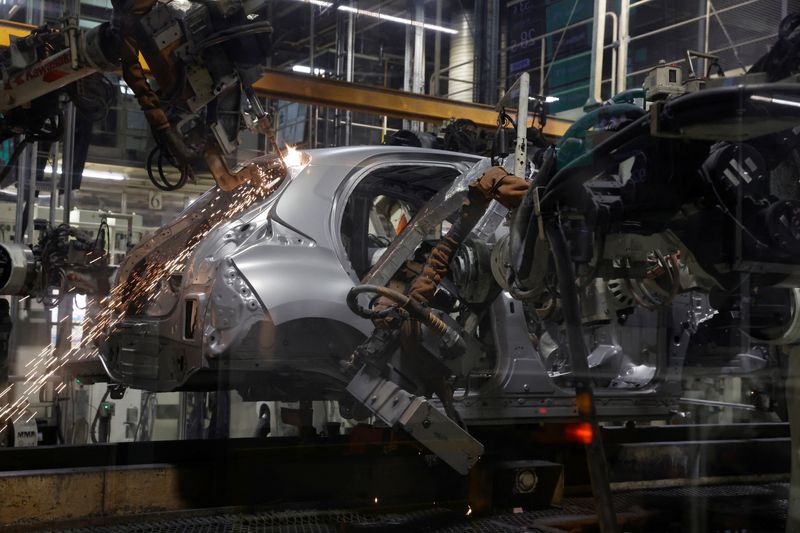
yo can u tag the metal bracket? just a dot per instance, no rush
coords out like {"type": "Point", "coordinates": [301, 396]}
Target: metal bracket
{"type": "Point", "coordinates": [418, 417]}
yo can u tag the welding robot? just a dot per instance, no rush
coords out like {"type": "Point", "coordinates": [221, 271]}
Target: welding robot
{"type": "Point", "coordinates": [203, 56]}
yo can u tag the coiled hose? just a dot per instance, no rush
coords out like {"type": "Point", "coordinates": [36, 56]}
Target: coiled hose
{"type": "Point", "coordinates": [407, 305]}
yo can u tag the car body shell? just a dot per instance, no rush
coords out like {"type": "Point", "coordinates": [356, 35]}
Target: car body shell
{"type": "Point", "coordinates": [261, 305]}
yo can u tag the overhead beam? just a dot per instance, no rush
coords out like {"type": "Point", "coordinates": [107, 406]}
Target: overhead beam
{"type": "Point", "coordinates": [327, 92]}
{"type": "Point", "coordinates": [354, 96]}
{"type": "Point", "coordinates": [9, 28]}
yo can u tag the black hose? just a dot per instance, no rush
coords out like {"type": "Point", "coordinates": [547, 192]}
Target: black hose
{"type": "Point", "coordinates": [584, 393]}
{"type": "Point", "coordinates": [406, 305]}
{"type": "Point", "coordinates": [13, 159]}
{"type": "Point", "coordinates": [355, 307]}
{"type": "Point", "coordinates": [162, 182]}
{"type": "Point", "coordinates": [97, 416]}
{"type": "Point", "coordinates": [234, 33]}
{"type": "Point", "coordinates": [522, 221]}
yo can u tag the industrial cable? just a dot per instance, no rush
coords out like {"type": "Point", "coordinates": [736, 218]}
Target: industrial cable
{"type": "Point", "coordinates": [49, 130]}
{"type": "Point", "coordinates": [522, 220]}
{"type": "Point", "coordinates": [406, 304]}
{"type": "Point", "coordinates": [727, 212]}
{"type": "Point", "coordinates": [560, 40]}
{"type": "Point", "coordinates": [97, 416]}
{"type": "Point", "coordinates": [503, 120]}
{"type": "Point", "coordinates": [150, 404]}
{"type": "Point", "coordinates": [584, 393]}
{"type": "Point", "coordinates": [12, 161]}
{"type": "Point", "coordinates": [591, 276]}
{"type": "Point", "coordinates": [234, 33]}
{"type": "Point", "coordinates": [92, 97]}
{"type": "Point", "coordinates": [727, 35]}
{"type": "Point", "coordinates": [157, 156]}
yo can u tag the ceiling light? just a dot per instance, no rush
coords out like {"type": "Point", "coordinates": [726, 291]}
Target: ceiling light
{"type": "Point", "coordinates": [103, 175]}
{"type": "Point", "coordinates": [383, 16]}
{"type": "Point", "coordinates": [548, 99]}
{"type": "Point", "coordinates": [307, 70]}
{"type": "Point", "coordinates": [91, 173]}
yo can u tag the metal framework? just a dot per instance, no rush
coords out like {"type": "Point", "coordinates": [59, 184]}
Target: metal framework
{"type": "Point", "coordinates": [354, 96]}
{"type": "Point", "coordinates": [380, 101]}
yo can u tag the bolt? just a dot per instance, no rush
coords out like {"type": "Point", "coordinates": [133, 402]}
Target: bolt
{"type": "Point", "coordinates": [426, 423]}
{"type": "Point", "coordinates": [526, 480]}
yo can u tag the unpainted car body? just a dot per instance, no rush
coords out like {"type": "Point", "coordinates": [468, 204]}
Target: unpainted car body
{"type": "Point", "coordinates": [260, 305]}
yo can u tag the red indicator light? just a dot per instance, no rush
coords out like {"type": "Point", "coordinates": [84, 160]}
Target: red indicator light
{"type": "Point", "coordinates": [543, 410]}
{"type": "Point", "coordinates": [581, 432]}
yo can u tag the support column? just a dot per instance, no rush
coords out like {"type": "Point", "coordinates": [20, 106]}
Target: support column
{"type": "Point", "coordinates": [418, 79]}
{"type": "Point", "coordinates": [22, 176]}
{"type": "Point", "coordinates": [793, 407]}
{"type": "Point", "coordinates": [598, 39]}
{"type": "Point", "coordinates": [54, 184]}
{"type": "Point", "coordinates": [31, 191]}
{"type": "Point", "coordinates": [437, 53]}
{"type": "Point", "coordinates": [69, 153]}
{"type": "Point", "coordinates": [350, 65]}
{"type": "Point", "coordinates": [312, 123]}
{"type": "Point", "coordinates": [489, 93]}
{"type": "Point", "coordinates": [622, 53]}
{"type": "Point", "coordinates": [338, 114]}
{"type": "Point", "coordinates": [408, 61]}
{"type": "Point", "coordinates": [418, 65]}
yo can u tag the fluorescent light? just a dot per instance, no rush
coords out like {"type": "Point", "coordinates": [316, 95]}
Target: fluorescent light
{"type": "Point", "coordinates": [779, 101]}
{"type": "Point", "coordinates": [548, 99]}
{"type": "Point", "coordinates": [383, 16]}
{"type": "Point", "coordinates": [103, 175]}
{"type": "Point", "coordinates": [91, 173]}
{"type": "Point", "coordinates": [307, 70]}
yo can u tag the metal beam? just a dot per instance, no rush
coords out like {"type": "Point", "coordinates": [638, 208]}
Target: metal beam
{"type": "Point", "coordinates": [380, 101]}
{"type": "Point", "coordinates": [355, 96]}
{"type": "Point", "coordinates": [9, 28]}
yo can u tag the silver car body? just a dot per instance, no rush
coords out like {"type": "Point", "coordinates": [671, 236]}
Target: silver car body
{"type": "Point", "coordinates": [260, 306]}
{"type": "Point", "coordinates": [267, 289]}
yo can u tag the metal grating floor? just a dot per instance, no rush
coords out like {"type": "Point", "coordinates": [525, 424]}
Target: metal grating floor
{"type": "Point", "coordinates": [753, 508]}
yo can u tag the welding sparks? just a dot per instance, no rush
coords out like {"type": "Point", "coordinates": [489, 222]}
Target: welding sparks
{"type": "Point", "coordinates": [292, 157]}
{"type": "Point", "coordinates": [137, 288]}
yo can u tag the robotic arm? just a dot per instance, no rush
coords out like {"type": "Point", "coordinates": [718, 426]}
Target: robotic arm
{"type": "Point", "coordinates": [203, 56]}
